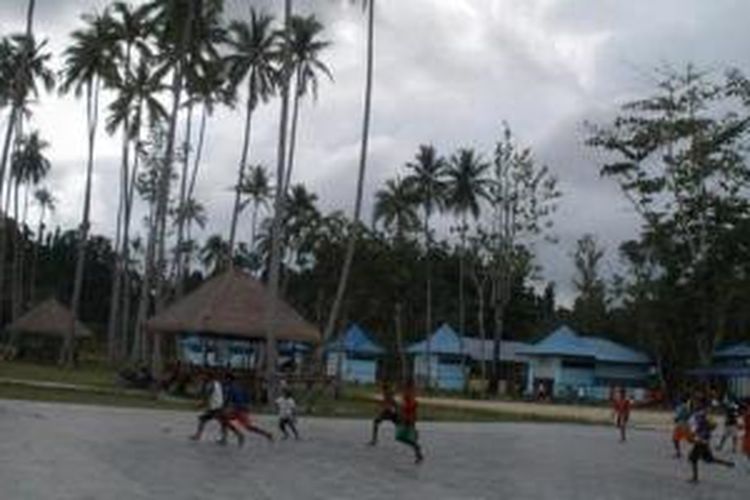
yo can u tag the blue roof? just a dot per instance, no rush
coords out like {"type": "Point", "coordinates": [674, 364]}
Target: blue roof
{"type": "Point", "coordinates": [566, 342]}
{"type": "Point", "coordinates": [356, 340]}
{"type": "Point", "coordinates": [740, 350]}
{"type": "Point", "coordinates": [444, 340]}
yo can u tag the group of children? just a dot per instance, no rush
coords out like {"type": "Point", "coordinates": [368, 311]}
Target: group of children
{"type": "Point", "coordinates": [694, 425]}
{"type": "Point", "coordinates": [229, 404]}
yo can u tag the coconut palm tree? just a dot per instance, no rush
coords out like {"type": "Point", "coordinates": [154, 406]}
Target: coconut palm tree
{"type": "Point", "coordinates": [257, 188]}
{"type": "Point", "coordinates": [427, 178]}
{"type": "Point", "coordinates": [252, 61]}
{"type": "Point", "coordinates": [215, 254]}
{"type": "Point", "coordinates": [90, 63]}
{"type": "Point", "coordinates": [349, 256]}
{"type": "Point", "coordinates": [130, 31]}
{"type": "Point", "coordinates": [28, 166]}
{"type": "Point", "coordinates": [191, 212]}
{"type": "Point", "coordinates": [395, 209]}
{"type": "Point", "coordinates": [467, 185]}
{"type": "Point", "coordinates": [304, 47]}
{"type": "Point", "coordinates": [46, 203]}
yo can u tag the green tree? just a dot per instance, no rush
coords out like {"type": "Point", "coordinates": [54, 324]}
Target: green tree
{"type": "Point", "coordinates": [89, 64]}
{"type": "Point", "coordinates": [590, 306]}
{"type": "Point", "coordinates": [395, 208]}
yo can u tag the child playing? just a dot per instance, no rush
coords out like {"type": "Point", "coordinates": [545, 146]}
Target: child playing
{"type": "Point", "coordinates": [702, 429]}
{"type": "Point", "coordinates": [388, 412]}
{"type": "Point", "coordinates": [406, 430]}
{"type": "Point", "coordinates": [287, 414]}
{"type": "Point", "coordinates": [621, 410]}
{"type": "Point", "coordinates": [746, 426]}
{"type": "Point", "coordinates": [214, 402]}
{"type": "Point", "coordinates": [681, 425]}
{"type": "Point", "coordinates": [731, 421]}
{"type": "Point", "coordinates": [237, 412]}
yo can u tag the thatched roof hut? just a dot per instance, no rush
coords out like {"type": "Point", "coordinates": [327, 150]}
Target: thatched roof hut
{"type": "Point", "coordinates": [49, 318]}
{"type": "Point", "coordinates": [232, 304]}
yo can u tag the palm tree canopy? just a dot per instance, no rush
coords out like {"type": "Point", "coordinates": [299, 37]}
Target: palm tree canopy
{"type": "Point", "coordinates": [45, 199]}
{"type": "Point", "coordinates": [93, 54]}
{"type": "Point", "coordinates": [138, 93]}
{"type": "Point", "coordinates": [29, 163]}
{"type": "Point", "coordinates": [428, 177]}
{"type": "Point", "coordinates": [15, 84]}
{"type": "Point", "coordinates": [215, 253]}
{"type": "Point", "coordinates": [254, 54]}
{"type": "Point", "coordinates": [467, 183]}
{"type": "Point", "coordinates": [304, 47]}
{"type": "Point", "coordinates": [395, 207]}
{"type": "Point", "coordinates": [256, 186]}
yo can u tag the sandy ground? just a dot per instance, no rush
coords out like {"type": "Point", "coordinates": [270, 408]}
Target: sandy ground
{"type": "Point", "coordinates": [54, 451]}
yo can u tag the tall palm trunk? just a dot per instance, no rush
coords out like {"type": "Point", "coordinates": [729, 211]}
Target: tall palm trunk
{"type": "Point", "coordinates": [293, 136]}
{"type": "Point", "coordinates": [35, 257]}
{"type": "Point", "coordinates": [188, 254]}
{"type": "Point", "coordinates": [92, 112]}
{"type": "Point", "coordinates": [462, 291]}
{"type": "Point", "coordinates": [178, 262]}
{"type": "Point", "coordinates": [241, 170]}
{"type": "Point", "coordinates": [349, 257]}
{"type": "Point", "coordinates": [17, 244]}
{"type": "Point", "coordinates": [114, 294]}
{"type": "Point", "coordinates": [126, 281]}
{"type": "Point", "coordinates": [140, 344]}
{"type": "Point", "coordinates": [428, 308]}
{"type": "Point", "coordinates": [278, 217]}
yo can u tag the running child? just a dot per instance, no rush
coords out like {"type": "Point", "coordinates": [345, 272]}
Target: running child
{"type": "Point", "coordinates": [237, 413]}
{"type": "Point", "coordinates": [702, 428]}
{"type": "Point", "coordinates": [621, 411]}
{"type": "Point", "coordinates": [287, 414]}
{"type": "Point", "coordinates": [746, 437]}
{"type": "Point", "coordinates": [731, 421]}
{"type": "Point", "coordinates": [681, 425]}
{"type": "Point", "coordinates": [388, 412]}
{"type": "Point", "coordinates": [214, 402]}
{"type": "Point", "coordinates": [406, 429]}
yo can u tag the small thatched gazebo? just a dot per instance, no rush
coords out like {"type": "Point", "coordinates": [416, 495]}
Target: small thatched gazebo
{"type": "Point", "coordinates": [232, 305]}
{"type": "Point", "coordinates": [48, 320]}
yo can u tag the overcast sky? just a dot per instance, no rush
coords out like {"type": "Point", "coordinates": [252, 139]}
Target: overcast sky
{"type": "Point", "coordinates": [447, 72]}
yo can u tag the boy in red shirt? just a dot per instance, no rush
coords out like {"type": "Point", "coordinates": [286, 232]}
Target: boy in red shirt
{"type": "Point", "coordinates": [621, 410]}
{"type": "Point", "coordinates": [406, 430]}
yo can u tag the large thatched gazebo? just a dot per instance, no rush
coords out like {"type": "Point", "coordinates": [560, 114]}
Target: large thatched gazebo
{"type": "Point", "coordinates": [49, 321]}
{"type": "Point", "coordinates": [232, 305]}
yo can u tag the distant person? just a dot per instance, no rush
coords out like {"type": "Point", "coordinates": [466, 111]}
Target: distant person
{"type": "Point", "coordinates": [621, 410]}
{"type": "Point", "coordinates": [406, 429]}
{"type": "Point", "coordinates": [287, 414]}
{"type": "Point", "coordinates": [214, 403]}
{"type": "Point", "coordinates": [388, 412]}
{"type": "Point", "coordinates": [541, 392]}
{"type": "Point", "coordinates": [702, 429]}
{"type": "Point", "coordinates": [681, 430]}
{"type": "Point", "coordinates": [731, 421]}
{"type": "Point", "coordinates": [237, 412]}
{"type": "Point", "coordinates": [746, 436]}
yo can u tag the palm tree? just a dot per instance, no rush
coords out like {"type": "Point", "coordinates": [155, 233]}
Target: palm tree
{"type": "Point", "coordinates": [427, 178]}
{"type": "Point", "coordinates": [89, 64]}
{"type": "Point", "coordinates": [304, 48]}
{"type": "Point", "coordinates": [215, 254]}
{"type": "Point", "coordinates": [252, 60]}
{"type": "Point", "coordinates": [394, 207]}
{"type": "Point", "coordinates": [46, 203]}
{"type": "Point", "coordinates": [129, 30]}
{"type": "Point", "coordinates": [191, 212]}
{"type": "Point", "coordinates": [466, 187]}
{"type": "Point", "coordinates": [257, 188]}
{"type": "Point", "coordinates": [349, 257]}
{"type": "Point", "coordinates": [29, 166]}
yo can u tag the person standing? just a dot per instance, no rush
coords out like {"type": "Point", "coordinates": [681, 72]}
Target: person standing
{"type": "Point", "coordinates": [287, 414]}
{"type": "Point", "coordinates": [214, 402]}
{"type": "Point", "coordinates": [731, 421]}
{"type": "Point", "coordinates": [746, 427]}
{"type": "Point", "coordinates": [406, 429]}
{"type": "Point", "coordinates": [681, 430]}
{"type": "Point", "coordinates": [621, 410]}
{"type": "Point", "coordinates": [388, 412]}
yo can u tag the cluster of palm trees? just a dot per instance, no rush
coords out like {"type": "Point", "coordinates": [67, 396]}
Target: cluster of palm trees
{"type": "Point", "coordinates": [152, 69]}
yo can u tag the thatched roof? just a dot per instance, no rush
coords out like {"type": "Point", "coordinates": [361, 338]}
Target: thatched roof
{"type": "Point", "coordinates": [232, 304]}
{"type": "Point", "coordinates": [49, 318]}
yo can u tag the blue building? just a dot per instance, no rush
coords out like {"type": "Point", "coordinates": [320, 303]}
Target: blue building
{"type": "Point", "coordinates": [445, 359]}
{"type": "Point", "coordinates": [571, 365]}
{"type": "Point", "coordinates": [357, 355]}
{"type": "Point", "coordinates": [731, 366]}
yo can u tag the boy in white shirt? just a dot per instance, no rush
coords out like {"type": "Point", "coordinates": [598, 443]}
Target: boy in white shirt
{"type": "Point", "coordinates": [287, 414]}
{"type": "Point", "coordinates": [214, 402]}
